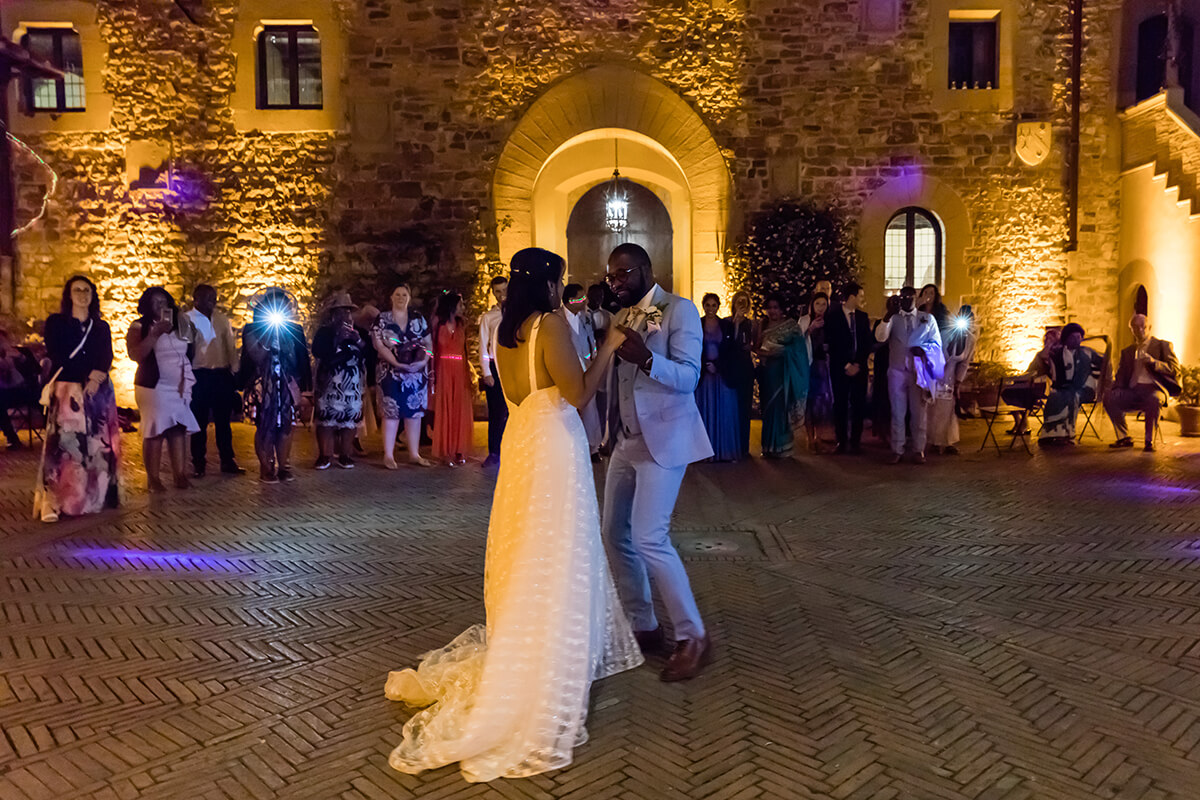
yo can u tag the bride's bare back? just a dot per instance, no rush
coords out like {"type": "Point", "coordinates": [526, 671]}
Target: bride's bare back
{"type": "Point", "coordinates": [555, 363]}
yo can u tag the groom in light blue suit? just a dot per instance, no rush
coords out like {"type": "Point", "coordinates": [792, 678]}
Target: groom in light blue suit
{"type": "Point", "coordinates": [657, 431]}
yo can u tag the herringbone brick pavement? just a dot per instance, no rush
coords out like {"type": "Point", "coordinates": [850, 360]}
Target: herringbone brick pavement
{"type": "Point", "coordinates": [981, 627]}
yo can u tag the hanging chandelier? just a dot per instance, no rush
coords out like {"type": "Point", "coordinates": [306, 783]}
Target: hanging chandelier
{"type": "Point", "coordinates": [616, 200]}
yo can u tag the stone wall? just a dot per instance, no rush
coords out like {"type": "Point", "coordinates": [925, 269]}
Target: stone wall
{"type": "Point", "coordinates": [787, 88]}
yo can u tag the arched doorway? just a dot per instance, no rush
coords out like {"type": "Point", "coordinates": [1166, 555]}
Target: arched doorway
{"type": "Point", "coordinates": [589, 240]}
{"type": "Point", "coordinates": [567, 127]}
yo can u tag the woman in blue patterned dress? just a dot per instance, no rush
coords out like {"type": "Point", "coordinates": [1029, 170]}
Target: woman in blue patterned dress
{"type": "Point", "coordinates": [402, 340]}
{"type": "Point", "coordinates": [339, 348]}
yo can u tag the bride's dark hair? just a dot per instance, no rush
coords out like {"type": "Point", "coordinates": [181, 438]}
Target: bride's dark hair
{"type": "Point", "coordinates": [529, 272]}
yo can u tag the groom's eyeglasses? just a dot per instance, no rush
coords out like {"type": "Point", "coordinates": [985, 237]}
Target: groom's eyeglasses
{"type": "Point", "coordinates": [621, 275]}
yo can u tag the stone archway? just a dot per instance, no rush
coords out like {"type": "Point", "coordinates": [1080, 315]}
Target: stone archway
{"type": "Point", "coordinates": [616, 97]}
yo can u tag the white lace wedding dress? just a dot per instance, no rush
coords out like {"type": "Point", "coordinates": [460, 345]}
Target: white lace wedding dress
{"type": "Point", "coordinates": [511, 700]}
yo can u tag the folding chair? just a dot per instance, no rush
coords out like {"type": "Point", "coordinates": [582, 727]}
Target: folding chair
{"type": "Point", "coordinates": [30, 415]}
{"type": "Point", "coordinates": [1101, 388]}
{"type": "Point", "coordinates": [1032, 393]}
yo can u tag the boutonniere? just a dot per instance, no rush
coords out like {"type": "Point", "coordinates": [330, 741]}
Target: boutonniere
{"type": "Point", "coordinates": [654, 318]}
{"type": "Point", "coordinates": [923, 319]}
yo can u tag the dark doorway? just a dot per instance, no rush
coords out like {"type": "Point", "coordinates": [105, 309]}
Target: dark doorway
{"type": "Point", "coordinates": [589, 241]}
{"type": "Point", "coordinates": [1152, 57]}
{"type": "Point", "coordinates": [1141, 301]}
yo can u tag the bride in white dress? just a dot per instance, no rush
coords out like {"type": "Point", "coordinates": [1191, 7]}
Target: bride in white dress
{"type": "Point", "coordinates": [510, 700]}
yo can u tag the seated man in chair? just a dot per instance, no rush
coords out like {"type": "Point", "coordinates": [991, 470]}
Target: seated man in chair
{"type": "Point", "coordinates": [18, 384]}
{"type": "Point", "coordinates": [1147, 374]}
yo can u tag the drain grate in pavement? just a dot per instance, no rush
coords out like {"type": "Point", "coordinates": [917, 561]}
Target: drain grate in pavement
{"type": "Point", "coordinates": [718, 545]}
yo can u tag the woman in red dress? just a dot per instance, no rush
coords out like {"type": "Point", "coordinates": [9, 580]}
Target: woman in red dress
{"type": "Point", "coordinates": [452, 416]}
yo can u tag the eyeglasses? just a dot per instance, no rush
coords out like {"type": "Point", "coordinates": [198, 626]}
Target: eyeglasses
{"type": "Point", "coordinates": [621, 275]}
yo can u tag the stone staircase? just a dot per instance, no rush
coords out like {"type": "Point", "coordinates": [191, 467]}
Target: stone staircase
{"type": "Point", "coordinates": [1163, 131]}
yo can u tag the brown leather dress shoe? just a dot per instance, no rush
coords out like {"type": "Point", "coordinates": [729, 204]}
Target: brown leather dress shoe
{"type": "Point", "coordinates": [652, 643]}
{"type": "Point", "coordinates": [690, 656]}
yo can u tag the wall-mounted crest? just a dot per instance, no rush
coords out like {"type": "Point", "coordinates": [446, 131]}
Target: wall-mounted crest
{"type": "Point", "coordinates": [1033, 142]}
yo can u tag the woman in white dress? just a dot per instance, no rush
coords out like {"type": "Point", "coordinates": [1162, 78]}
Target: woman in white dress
{"type": "Point", "coordinates": [510, 700]}
{"type": "Point", "coordinates": [161, 342]}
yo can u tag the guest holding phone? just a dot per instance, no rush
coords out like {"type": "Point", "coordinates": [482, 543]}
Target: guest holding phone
{"type": "Point", "coordinates": [278, 372]}
{"type": "Point", "coordinates": [162, 343]}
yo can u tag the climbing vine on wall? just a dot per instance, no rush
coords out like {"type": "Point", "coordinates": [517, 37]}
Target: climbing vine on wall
{"type": "Point", "coordinates": [787, 248]}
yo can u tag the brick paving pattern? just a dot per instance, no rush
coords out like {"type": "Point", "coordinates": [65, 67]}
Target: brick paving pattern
{"type": "Point", "coordinates": [981, 627]}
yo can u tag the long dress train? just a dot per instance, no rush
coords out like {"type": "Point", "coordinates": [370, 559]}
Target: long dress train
{"type": "Point", "coordinates": [510, 700]}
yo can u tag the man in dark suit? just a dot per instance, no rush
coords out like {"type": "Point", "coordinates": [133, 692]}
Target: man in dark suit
{"type": "Point", "coordinates": [848, 333]}
{"type": "Point", "coordinates": [1147, 374]}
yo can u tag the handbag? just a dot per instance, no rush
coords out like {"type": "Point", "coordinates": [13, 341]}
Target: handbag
{"type": "Point", "coordinates": [48, 389]}
{"type": "Point", "coordinates": [410, 352]}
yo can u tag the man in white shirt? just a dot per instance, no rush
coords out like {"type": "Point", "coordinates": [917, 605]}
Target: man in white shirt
{"type": "Point", "coordinates": [602, 320]}
{"type": "Point", "coordinates": [904, 332]}
{"type": "Point", "coordinates": [214, 394]}
{"type": "Point", "coordinates": [497, 408]}
{"type": "Point", "coordinates": [584, 337]}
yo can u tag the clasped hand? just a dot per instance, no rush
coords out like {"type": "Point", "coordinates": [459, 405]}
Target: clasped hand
{"type": "Point", "coordinates": [632, 347]}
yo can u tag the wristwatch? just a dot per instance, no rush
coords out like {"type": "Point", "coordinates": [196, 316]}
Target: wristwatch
{"type": "Point", "coordinates": [645, 365]}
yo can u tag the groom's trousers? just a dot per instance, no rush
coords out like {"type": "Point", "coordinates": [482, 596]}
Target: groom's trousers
{"type": "Point", "coordinates": [639, 496]}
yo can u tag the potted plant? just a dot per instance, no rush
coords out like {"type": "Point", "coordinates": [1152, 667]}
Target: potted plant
{"type": "Point", "coordinates": [1188, 402]}
{"type": "Point", "coordinates": [982, 384]}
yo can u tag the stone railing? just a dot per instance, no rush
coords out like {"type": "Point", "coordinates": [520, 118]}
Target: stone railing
{"type": "Point", "coordinates": [1163, 131]}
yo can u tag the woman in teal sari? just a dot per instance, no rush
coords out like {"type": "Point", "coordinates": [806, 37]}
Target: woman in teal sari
{"type": "Point", "coordinates": [782, 379]}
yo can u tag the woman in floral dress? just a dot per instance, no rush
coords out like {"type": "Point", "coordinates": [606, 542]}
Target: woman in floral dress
{"type": "Point", "coordinates": [339, 348]}
{"type": "Point", "coordinates": [401, 338]}
{"type": "Point", "coordinates": [82, 445]}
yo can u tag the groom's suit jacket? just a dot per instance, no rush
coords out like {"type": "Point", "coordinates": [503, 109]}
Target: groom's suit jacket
{"type": "Point", "coordinates": [665, 400]}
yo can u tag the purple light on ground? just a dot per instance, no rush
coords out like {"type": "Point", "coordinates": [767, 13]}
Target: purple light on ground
{"type": "Point", "coordinates": [151, 559]}
{"type": "Point", "coordinates": [1132, 489]}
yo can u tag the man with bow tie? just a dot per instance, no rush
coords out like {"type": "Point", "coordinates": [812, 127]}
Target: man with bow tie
{"type": "Point", "coordinates": [656, 431]}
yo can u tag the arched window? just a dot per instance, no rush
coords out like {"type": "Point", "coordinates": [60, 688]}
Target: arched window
{"type": "Point", "coordinates": [912, 250]}
{"type": "Point", "coordinates": [1141, 301]}
{"type": "Point", "coordinates": [289, 67]}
